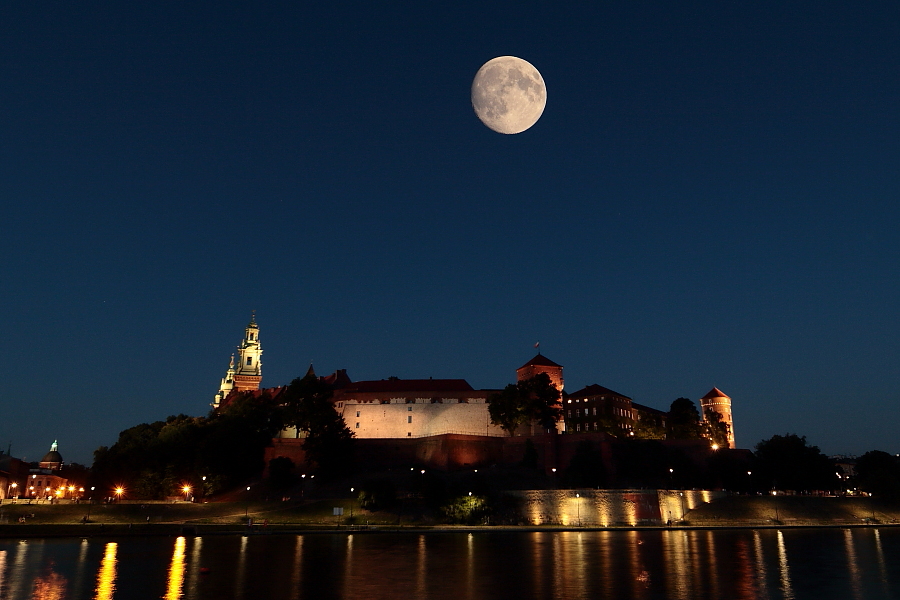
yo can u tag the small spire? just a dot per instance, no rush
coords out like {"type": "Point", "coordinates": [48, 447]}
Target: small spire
{"type": "Point", "coordinates": [253, 318]}
{"type": "Point", "coordinates": [310, 372]}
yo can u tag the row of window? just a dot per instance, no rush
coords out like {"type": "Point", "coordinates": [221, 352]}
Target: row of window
{"type": "Point", "coordinates": [408, 419]}
{"type": "Point", "coordinates": [587, 426]}
{"type": "Point", "coordinates": [621, 412]}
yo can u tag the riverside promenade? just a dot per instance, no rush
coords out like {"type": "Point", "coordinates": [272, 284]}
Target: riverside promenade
{"type": "Point", "coordinates": [24, 520]}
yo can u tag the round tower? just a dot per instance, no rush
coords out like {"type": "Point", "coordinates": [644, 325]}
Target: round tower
{"type": "Point", "coordinates": [716, 400]}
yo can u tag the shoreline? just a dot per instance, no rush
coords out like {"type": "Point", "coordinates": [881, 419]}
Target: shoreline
{"type": "Point", "coordinates": [95, 530]}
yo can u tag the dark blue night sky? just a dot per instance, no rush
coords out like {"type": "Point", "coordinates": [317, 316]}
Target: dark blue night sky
{"type": "Point", "coordinates": [709, 199]}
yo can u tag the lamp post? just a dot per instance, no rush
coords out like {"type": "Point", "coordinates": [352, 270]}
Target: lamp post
{"type": "Point", "coordinates": [671, 471]}
{"type": "Point", "coordinates": [12, 487]}
{"type": "Point", "coordinates": [578, 507]}
{"type": "Point", "coordinates": [187, 491]}
{"type": "Point", "coordinates": [247, 509]}
{"type": "Point", "coordinates": [749, 481]}
{"type": "Point", "coordinates": [119, 491]}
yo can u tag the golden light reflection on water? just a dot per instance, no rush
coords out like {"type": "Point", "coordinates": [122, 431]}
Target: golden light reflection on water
{"type": "Point", "coordinates": [50, 586]}
{"type": "Point", "coordinates": [2, 573]}
{"type": "Point", "coordinates": [784, 572]}
{"type": "Point", "coordinates": [176, 571]}
{"type": "Point", "coordinates": [297, 569]}
{"type": "Point", "coordinates": [852, 565]}
{"type": "Point", "coordinates": [421, 568]}
{"type": "Point", "coordinates": [677, 564]}
{"type": "Point", "coordinates": [763, 592]}
{"type": "Point", "coordinates": [106, 576]}
{"type": "Point", "coordinates": [882, 567]}
{"type": "Point", "coordinates": [710, 551]}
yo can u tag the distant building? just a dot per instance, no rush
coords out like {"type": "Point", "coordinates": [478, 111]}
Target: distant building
{"type": "Point", "coordinates": [596, 408]}
{"type": "Point", "coordinates": [247, 374]}
{"type": "Point", "coordinates": [47, 480]}
{"type": "Point", "coordinates": [396, 408]}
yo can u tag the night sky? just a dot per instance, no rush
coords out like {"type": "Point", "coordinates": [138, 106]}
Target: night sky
{"type": "Point", "coordinates": [709, 199]}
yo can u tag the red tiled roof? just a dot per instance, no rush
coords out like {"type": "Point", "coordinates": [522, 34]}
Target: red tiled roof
{"type": "Point", "coordinates": [596, 390]}
{"type": "Point", "coordinates": [409, 385]}
{"type": "Point", "coordinates": [715, 393]}
{"type": "Point", "coordinates": [541, 361]}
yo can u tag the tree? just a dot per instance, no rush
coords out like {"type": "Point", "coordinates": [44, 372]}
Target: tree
{"type": "Point", "coordinates": [878, 473]}
{"type": "Point", "coordinates": [534, 399]}
{"type": "Point", "coordinates": [306, 405]}
{"type": "Point", "coordinates": [787, 462]}
{"type": "Point", "coordinates": [684, 420]}
{"type": "Point", "coordinates": [715, 429]}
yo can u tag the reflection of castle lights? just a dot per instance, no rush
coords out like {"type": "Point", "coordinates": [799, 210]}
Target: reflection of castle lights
{"type": "Point", "coordinates": [106, 577]}
{"type": "Point", "coordinates": [176, 571]}
{"type": "Point", "coordinates": [783, 568]}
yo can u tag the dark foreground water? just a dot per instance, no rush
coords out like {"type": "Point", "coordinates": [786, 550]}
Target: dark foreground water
{"type": "Point", "coordinates": [813, 563]}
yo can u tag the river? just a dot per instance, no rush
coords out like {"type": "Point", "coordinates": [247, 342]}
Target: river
{"type": "Point", "coordinates": [861, 563]}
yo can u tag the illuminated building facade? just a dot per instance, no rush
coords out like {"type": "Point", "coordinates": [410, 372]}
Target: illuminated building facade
{"type": "Point", "coordinates": [717, 401]}
{"type": "Point", "coordinates": [247, 374]}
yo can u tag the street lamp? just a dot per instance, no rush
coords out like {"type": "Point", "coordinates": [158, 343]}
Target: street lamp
{"type": "Point", "coordinates": [187, 490]}
{"type": "Point", "coordinates": [749, 481]}
{"type": "Point", "coordinates": [12, 487]}
{"type": "Point", "coordinates": [578, 507]}
{"type": "Point", "coordinates": [119, 491]}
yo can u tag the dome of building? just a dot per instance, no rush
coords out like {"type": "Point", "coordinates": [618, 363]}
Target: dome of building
{"type": "Point", "coordinates": [53, 456]}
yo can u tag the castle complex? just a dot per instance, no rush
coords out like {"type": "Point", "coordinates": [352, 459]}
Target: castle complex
{"type": "Point", "coordinates": [421, 408]}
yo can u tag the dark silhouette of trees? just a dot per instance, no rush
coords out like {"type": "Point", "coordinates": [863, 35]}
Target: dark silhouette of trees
{"type": "Point", "coordinates": [878, 473]}
{"type": "Point", "coordinates": [714, 429]}
{"type": "Point", "coordinates": [534, 399]}
{"type": "Point", "coordinates": [684, 421]}
{"type": "Point", "coordinates": [787, 462]}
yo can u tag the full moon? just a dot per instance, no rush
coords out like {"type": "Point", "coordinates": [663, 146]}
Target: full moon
{"type": "Point", "coordinates": [508, 94]}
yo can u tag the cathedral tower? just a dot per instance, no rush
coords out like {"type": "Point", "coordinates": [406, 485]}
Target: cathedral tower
{"type": "Point", "coordinates": [716, 400]}
{"type": "Point", "coordinates": [248, 374]}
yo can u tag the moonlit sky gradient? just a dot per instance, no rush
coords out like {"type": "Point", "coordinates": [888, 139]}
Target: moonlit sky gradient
{"type": "Point", "coordinates": [709, 199]}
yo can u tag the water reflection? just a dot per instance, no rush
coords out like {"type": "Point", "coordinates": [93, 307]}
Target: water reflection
{"type": "Point", "coordinates": [106, 576]}
{"type": "Point", "coordinates": [296, 569]}
{"type": "Point", "coordinates": [786, 588]}
{"type": "Point", "coordinates": [636, 565]}
{"type": "Point", "coordinates": [49, 586]}
{"type": "Point", "coordinates": [176, 571]}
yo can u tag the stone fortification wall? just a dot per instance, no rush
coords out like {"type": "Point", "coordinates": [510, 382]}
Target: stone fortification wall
{"type": "Point", "coordinates": [605, 508]}
{"type": "Point", "coordinates": [421, 417]}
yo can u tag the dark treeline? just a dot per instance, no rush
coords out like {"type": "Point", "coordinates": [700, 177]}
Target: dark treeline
{"type": "Point", "coordinates": [154, 460]}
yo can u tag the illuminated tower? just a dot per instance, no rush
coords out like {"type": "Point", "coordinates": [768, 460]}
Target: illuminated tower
{"type": "Point", "coordinates": [542, 364]}
{"type": "Point", "coordinates": [716, 400]}
{"type": "Point", "coordinates": [227, 384]}
{"type": "Point", "coordinates": [248, 374]}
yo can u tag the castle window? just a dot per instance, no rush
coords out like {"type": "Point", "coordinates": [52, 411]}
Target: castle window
{"type": "Point", "coordinates": [251, 336]}
{"type": "Point", "coordinates": [595, 426]}
{"type": "Point", "coordinates": [357, 416]}
{"type": "Point", "coordinates": [409, 419]}
{"type": "Point", "coordinates": [577, 412]}
{"type": "Point", "coordinates": [409, 408]}
{"type": "Point", "coordinates": [409, 434]}
{"type": "Point", "coordinates": [570, 412]}
{"type": "Point", "coordinates": [578, 427]}
{"type": "Point", "coordinates": [249, 360]}
{"type": "Point", "coordinates": [357, 425]}
{"type": "Point", "coordinates": [595, 411]}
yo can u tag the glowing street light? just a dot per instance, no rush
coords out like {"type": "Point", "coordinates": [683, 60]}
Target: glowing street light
{"type": "Point", "coordinates": [187, 490]}
{"type": "Point", "coordinates": [119, 492]}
